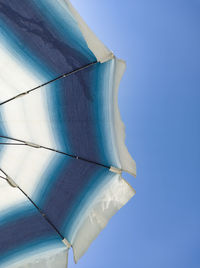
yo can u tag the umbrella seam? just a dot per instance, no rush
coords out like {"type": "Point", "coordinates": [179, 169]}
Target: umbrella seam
{"type": "Point", "coordinates": [30, 144]}
{"type": "Point", "coordinates": [40, 211]}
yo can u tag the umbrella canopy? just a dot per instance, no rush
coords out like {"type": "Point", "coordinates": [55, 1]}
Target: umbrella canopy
{"type": "Point", "coordinates": [62, 147]}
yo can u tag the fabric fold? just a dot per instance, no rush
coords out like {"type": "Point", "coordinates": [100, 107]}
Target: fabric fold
{"type": "Point", "coordinates": [106, 203]}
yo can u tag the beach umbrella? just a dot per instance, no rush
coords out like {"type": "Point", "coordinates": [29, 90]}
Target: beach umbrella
{"type": "Point", "coordinates": [62, 148]}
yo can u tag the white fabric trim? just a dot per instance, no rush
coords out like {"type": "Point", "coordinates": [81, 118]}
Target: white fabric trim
{"type": "Point", "coordinates": [51, 259]}
{"type": "Point", "coordinates": [112, 197]}
{"type": "Point", "coordinates": [115, 170]}
{"type": "Point", "coordinates": [127, 163]}
{"type": "Point", "coordinates": [101, 52]}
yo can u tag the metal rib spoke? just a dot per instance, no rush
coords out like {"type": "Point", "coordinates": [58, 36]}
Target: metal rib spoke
{"type": "Point", "coordinates": [49, 82]}
{"type": "Point", "coordinates": [38, 146]}
{"type": "Point", "coordinates": [40, 211]}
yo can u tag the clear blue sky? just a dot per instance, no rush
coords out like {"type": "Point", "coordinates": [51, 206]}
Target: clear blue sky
{"type": "Point", "coordinates": [159, 101]}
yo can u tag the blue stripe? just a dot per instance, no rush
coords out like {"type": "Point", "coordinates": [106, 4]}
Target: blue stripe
{"type": "Point", "coordinates": [67, 182]}
{"type": "Point", "coordinates": [65, 25]}
{"type": "Point", "coordinates": [35, 32]}
{"type": "Point", "coordinates": [33, 248]}
{"type": "Point", "coordinates": [19, 235]}
{"type": "Point", "coordinates": [16, 212]}
{"type": "Point", "coordinates": [81, 116]}
{"type": "Point", "coordinates": [67, 186]}
{"type": "Point", "coordinates": [91, 189]}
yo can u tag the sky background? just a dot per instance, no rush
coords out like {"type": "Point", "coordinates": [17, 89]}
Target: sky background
{"type": "Point", "coordinates": [159, 103]}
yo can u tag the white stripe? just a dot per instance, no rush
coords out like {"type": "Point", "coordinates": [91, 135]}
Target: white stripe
{"type": "Point", "coordinates": [16, 75]}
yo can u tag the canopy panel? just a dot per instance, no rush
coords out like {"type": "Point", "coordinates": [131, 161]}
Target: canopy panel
{"type": "Point", "coordinates": [42, 38]}
{"type": "Point", "coordinates": [77, 197]}
{"type": "Point", "coordinates": [26, 239]}
{"type": "Point", "coordinates": [77, 115]}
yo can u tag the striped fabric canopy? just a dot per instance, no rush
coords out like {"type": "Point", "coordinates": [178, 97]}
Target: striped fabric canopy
{"type": "Point", "coordinates": [62, 147]}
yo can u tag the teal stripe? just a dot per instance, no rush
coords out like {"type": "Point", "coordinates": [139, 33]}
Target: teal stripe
{"type": "Point", "coordinates": [66, 26]}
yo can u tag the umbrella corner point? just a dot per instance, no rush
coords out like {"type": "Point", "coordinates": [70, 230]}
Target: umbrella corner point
{"type": "Point", "coordinates": [66, 243]}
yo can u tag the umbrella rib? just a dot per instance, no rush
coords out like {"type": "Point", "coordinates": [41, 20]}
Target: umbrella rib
{"type": "Point", "coordinates": [49, 82]}
{"type": "Point", "coordinates": [10, 143]}
{"type": "Point", "coordinates": [26, 143]}
{"type": "Point", "coordinates": [41, 212]}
